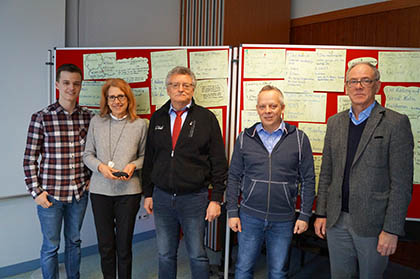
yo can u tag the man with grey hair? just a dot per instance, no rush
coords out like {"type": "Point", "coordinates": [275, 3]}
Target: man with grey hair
{"type": "Point", "coordinates": [184, 154]}
{"type": "Point", "coordinates": [269, 161]}
{"type": "Point", "coordinates": [366, 180]}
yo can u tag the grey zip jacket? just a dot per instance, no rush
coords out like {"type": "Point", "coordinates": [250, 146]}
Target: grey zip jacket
{"type": "Point", "coordinates": [267, 185]}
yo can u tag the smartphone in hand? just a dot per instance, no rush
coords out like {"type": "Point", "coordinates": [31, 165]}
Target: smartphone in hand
{"type": "Point", "coordinates": [120, 173]}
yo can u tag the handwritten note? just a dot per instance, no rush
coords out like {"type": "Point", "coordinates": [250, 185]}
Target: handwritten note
{"type": "Point", "coordinates": [90, 95]}
{"type": "Point", "coordinates": [252, 88]}
{"type": "Point", "coordinates": [218, 112]}
{"type": "Point", "coordinates": [210, 64]}
{"type": "Point", "coordinates": [99, 65]}
{"type": "Point", "coordinates": [300, 71]}
{"type": "Point", "coordinates": [164, 61]}
{"type": "Point", "coordinates": [399, 66]}
{"type": "Point", "coordinates": [406, 100]}
{"type": "Point", "coordinates": [264, 63]}
{"type": "Point", "coordinates": [329, 70]}
{"type": "Point", "coordinates": [105, 65]}
{"type": "Point", "coordinates": [159, 93]}
{"type": "Point", "coordinates": [142, 100]}
{"type": "Point", "coordinates": [132, 69]}
{"type": "Point", "coordinates": [305, 107]}
{"type": "Point", "coordinates": [211, 93]}
{"type": "Point", "coordinates": [317, 167]}
{"type": "Point", "coordinates": [370, 60]}
{"type": "Point", "coordinates": [249, 118]}
{"type": "Point", "coordinates": [344, 103]}
{"type": "Point", "coordinates": [316, 134]}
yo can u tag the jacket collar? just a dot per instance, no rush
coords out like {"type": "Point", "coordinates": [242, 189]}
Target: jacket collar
{"type": "Point", "coordinates": [167, 106]}
{"type": "Point", "coordinates": [252, 131]}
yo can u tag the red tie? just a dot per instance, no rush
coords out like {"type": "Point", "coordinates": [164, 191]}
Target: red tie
{"type": "Point", "coordinates": [177, 127]}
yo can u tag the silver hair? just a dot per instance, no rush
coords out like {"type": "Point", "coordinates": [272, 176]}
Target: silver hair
{"type": "Point", "coordinates": [180, 70]}
{"type": "Point", "coordinates": [377, 74]}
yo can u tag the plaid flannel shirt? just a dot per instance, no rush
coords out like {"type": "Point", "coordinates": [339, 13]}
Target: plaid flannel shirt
{"type": "Point", "coordinates": [59, 137]}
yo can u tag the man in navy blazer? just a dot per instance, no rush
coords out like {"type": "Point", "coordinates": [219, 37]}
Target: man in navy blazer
{"type": "Point", "coordinates": [366, 180]}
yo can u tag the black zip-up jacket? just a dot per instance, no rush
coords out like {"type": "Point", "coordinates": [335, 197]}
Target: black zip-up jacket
{"type": "Point", "coordinates": [198, 158]}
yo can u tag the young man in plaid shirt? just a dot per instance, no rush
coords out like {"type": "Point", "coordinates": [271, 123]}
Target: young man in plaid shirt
{"type": "Point", "coordinates": [59, 183]}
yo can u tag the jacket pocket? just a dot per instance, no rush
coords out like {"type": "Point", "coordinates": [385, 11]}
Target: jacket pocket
{"type": "Point", "coordinates": [376, 152]}
{"type": "Point", "coordinates": [377, 204]}
{"type": "Point", "coordinates": [268, 196]}
{"type": "Point", "coordinates": [246, 198]}
{"type": "Point", "coordinates": [255, 194]}
{"type": "Point", "coordinates": [282, 197]}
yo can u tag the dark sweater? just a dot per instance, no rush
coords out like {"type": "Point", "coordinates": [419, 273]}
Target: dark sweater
{"type": "Point", "coordinates": [355, 133]}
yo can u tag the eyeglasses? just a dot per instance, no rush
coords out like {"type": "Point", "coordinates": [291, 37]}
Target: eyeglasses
{"type": "Point", "coordinates": [120, 98]}
{"type": "Point", "coordinates": [176, 85]}
{"type": "Point", "coordinates": [365, 82]}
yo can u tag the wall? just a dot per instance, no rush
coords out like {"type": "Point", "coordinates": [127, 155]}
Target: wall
{"type": "Point", "coordinates": [202, 22]}
{"type": "Point", "coordinates": [268, 21]}
{"type": "Point", "coordinates": [123, 23]}
{"type": "Point", "coordinates": [302, 8]}
{"type": "Point", "coordinates": [386, 24]}
{"type": "Point", "coordinates": [249, 21]}
{"type": "Point", "coordinates": [28, 29]}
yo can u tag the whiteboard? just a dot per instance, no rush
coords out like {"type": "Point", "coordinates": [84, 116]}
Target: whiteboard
{"type": "Point", "coordinates": [261, 70]}
{"type": "Point", "coordinates": [211, 65]}
{"type": "Point", "coordinates": [28, 29]}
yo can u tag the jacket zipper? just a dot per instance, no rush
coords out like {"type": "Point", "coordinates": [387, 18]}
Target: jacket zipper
{"type": "Point", "coordinates": [269, 186]}
{"type": "Point", "coordinates": [269, 172]}
{"type": "Point", "coordinates": [171, 179]}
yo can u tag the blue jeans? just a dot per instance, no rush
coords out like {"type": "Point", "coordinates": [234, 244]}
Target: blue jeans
{"type": "Point", "coordinates": [172, 212]}
{"type": "Point", "coordinates": [277, 236]}
{"type": "Point", "coordinates": [51, 220]}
